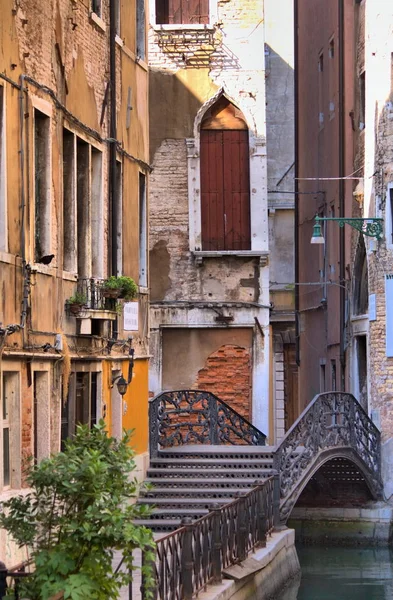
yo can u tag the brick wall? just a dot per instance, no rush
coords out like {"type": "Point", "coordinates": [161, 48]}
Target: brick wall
{"type": "Point", "coordinates": [227, 374]}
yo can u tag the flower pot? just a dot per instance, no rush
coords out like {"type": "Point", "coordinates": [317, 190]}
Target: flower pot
{"type": "Point", "coordinates": [75, 309]}
{"type": "Point", "coordinates": [115, 293]}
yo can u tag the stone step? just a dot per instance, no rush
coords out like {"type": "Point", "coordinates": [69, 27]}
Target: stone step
{"type": "Point", "coordinates": [178, 513]}
{"type": "Point", "coordinates": [201, 483]}
{"type": "Point", "coordinates": [211, 463]}
{"type": "Point", "coordinates": [181, 503]}
{"type": "Point", "coordinates": [153, 474]}
{"type": "Point", "coordinates": [191, 492]}
{"type": "Point", "coordinates": [159, 524]}
{"type": "Point", "coordinates": [217, 452]}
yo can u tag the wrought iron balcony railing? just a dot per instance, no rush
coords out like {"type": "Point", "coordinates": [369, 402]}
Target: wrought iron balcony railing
{"type": "Point", "coordinates": [93, 290]}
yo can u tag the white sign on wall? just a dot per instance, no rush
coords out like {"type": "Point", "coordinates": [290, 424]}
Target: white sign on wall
{"type": "Point", "coordinates": [131, 316]}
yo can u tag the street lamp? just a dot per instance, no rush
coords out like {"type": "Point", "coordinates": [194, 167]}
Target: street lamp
{"type": "Point", "coordinates": [371, 227]}
{"type": "Point", "coordinates": [121, 383]}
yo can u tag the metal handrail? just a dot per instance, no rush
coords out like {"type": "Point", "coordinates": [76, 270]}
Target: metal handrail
{"type": "Point", "coordinates": [191, 557]}
{"type": "Point", "coordinates": [210, 421]}
{"type": "Point", "coordinates": [333, 424]}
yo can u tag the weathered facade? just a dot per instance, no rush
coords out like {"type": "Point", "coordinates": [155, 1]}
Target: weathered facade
{"type": "Point", "coordinates": [345, 144]}
{"type": "Point", "coordinates": [73, 188]}
{"type": "Point", "coordinates": [217, 233]}
{"type": "Point", "coordinates": [326, 134]}
{"type": "Point", "coordinates": [374, 266]}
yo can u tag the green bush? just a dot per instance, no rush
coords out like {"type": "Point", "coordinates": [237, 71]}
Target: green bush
{"type": "Point", "coordinates": [76, 516]}
{"type": "Point", "coordinates": [77, 298]}
{"type": "Point", "coordinates": [126, 285]}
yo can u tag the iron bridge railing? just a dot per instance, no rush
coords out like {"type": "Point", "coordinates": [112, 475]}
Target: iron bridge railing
{"type": "Point", "coordinates": [335, 422]}
{"type": "Point", "coordinates": [191, 557]}
{"type": "Point", "coordinates": [185, 417]}
{"type": "Point", "coordinates": [194, 555]}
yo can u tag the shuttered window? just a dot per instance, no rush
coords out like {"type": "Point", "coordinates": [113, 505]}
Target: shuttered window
{"type": "Point", "coordinates": [225, 190]}
{"type": "Point", "coordinates": [182, 11]}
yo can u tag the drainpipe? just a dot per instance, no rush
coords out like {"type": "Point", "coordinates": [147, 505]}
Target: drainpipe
{"type": "Point", "coordinates": [113, 207]}
{"type": "Point", "coordinates": [341, 150]}
{"type": "Point", "coordinates": [296, 89]}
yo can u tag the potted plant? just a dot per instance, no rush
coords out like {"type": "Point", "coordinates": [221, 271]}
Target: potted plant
{"type": "Point", "coordinates": [120, 287]}
{"type": "Point", "coordinates": [76, 302]}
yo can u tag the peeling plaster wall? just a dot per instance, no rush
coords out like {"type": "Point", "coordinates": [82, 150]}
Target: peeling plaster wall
{"type": "Point", "coordinates": [376, 141]}
{"type": "Point", "coordinates": [65, 49]}
{"type": "Point", "coordinates": [179, 91]}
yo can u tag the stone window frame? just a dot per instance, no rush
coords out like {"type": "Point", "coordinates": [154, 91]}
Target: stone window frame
{"type": "Point", "coordinates": [15, 428]}
{"type": "Point", "coordinates": [213, 18]}
{"type": "Point", "coordinates": [258, 188]}
{"type": "Point", "coordinates": [3, 169]}
{"type": "Point", "coordinates": [45, 108]}
{"type": "Point", "coordinates": [95, 226]}
{"type": "Point", "coordinates": [78, 367]}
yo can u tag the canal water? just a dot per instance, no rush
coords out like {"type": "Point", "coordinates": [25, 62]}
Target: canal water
{"type": "Point", "coordinates": [343, 574]}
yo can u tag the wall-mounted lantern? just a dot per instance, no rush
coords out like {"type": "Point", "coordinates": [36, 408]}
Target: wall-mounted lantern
{"type": "Point", "coordinates": [121, 383]}
{"type": "Point", "coordinates": [371, 227]}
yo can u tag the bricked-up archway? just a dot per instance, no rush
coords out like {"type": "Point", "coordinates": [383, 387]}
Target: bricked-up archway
{"type": "Point", "coordinates": [227, 374]}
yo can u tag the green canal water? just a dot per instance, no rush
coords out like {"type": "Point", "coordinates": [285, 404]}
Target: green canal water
{"type": "Point", "coordinates": [343, 574]}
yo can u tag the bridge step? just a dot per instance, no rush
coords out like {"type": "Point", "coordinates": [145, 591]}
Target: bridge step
{"type": "Point", "coordinates": [154, 474]}
{"type": "Point", "coordinates": [218, 452]}
{"type": "Point", "coordinates": [181, 503]}
{"type": "Point", "coordinates": [191, 492]}
{"type": "Point", "coordinates": [201, 483]}
{"type": "Point", "coordinates": [178, 513]}
{"type": "Point", "coordinates": [211, 463]}
{"type": "Point", "coordinates": [159, 524]}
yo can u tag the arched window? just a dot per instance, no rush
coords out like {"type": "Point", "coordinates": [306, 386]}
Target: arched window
{"type": "Point", "coordinates": [225, 179]}
{"type": "Point", "coordinates": [360, 284]}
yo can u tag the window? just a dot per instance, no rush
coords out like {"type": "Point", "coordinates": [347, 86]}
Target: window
{"type": "Point", "coordinates": [10, 437]}
{"type": "Point", "coordinates": [322, 377]}
{"type": "Point", "coordinates": [69, 202]}
{"type": "Point", "coordinates": [225, 179]}
{"type": "Point", "coordinates": [96, 7]}
{"type": "Point", "coordinates": [140, 30]}
{"type": "Point", "coordinates": [321, 115]}
{"type": "Point", "coordinates": [83, 234]}
{"type": "Point", "coordinates": [97, 214]}
{"type": "Point", "coordinates": [182, 12]}
{"type": "Point", "coordinates": [41, 415]}
{"type": "Point", "coordinates": [362, 100]}
{"type": "Point", "coordinates": [331, 48]}
{"type": "Point", "coordinates": [42, 184]}
{"type": "Point", "coordinates": [3, 185]}
{"type": "Point", "coordinates": [82, 403]}
{"type": "Point", "coordinates": [333, 375]}
{"type": "Point", "coordinates": [389, 216]}
{"type": "Point", "coordinates": [360, 280]}
{"type": "Point", "coordinates": [119, 224]}
{"type": "Point", "coordinates": [142, 231]}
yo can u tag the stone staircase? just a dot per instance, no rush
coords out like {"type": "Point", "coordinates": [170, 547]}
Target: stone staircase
{"type": "Point", "coordinates": [189, 481]}
{"type": "Point", "coordinates": [203, 454]}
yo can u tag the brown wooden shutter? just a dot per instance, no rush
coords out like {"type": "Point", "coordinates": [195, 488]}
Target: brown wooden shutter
{"type": "Point", "coordinates": [225, 190]}
{"type": "Point", "coordinates": [174, 11]}
{"type": "Point", "coordinates": [186, 11]}
{"type": "Point", "coordinates": [236, 190]}
{"type": "Point", "coordinates": [212, 197]}
{"type": "Point", "coordinates": [204, 12]}
{"type": "Point", "coordinates": [162, 12]}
